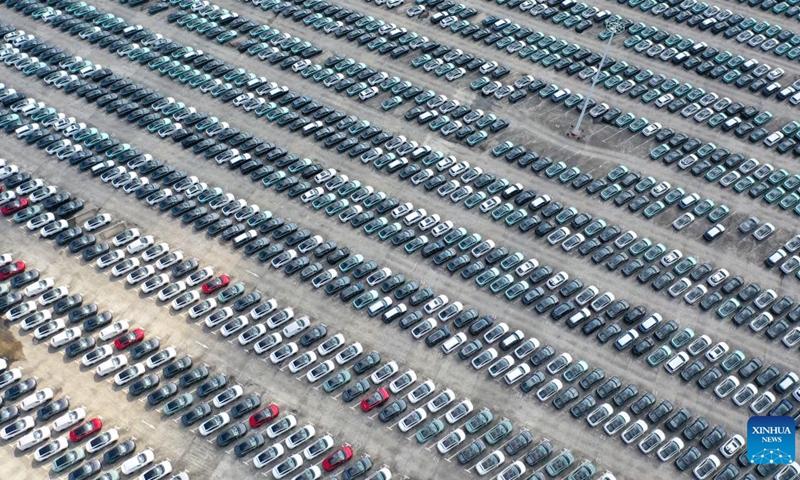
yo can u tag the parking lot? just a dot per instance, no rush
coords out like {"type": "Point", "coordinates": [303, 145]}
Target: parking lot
{"type": "Point", "coordinates": [620, 162]}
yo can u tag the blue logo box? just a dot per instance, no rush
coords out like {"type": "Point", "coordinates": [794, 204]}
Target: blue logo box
{"type": "Point", "coordinates": [771, 440]}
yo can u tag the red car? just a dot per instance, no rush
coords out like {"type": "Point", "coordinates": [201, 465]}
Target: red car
{"type": "Point", "coordinates": [79, 433]}
{"type": "Point", "coordinates": [264, 415]}
{"type": "Point", "coordinates": [12, 269]}
{"type": "Point", "coordinates": [11, 208]}
{"type": "Point", "coordinates": [125, 341]}
{"type": "Point", "coordinates": [212, 286]}
{"type": "Point", "coordinates": [339, 457]}
{"type": "Point", "coordinates": [375, 400]}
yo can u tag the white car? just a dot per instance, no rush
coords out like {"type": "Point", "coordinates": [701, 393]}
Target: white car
{"type": "Point", "coordinates": [302, 361]}
{"type": "Point", "coordinates": [96, 222]}
{"type": "Point", "coordinates": [125, 237]}
{"type": "Point", "coordinates": [101, 441]}
{"type": "Point", "coordinates": [441, 400]}
{"type": "Point", "coordinates": [111, 365]}
{"type": "Point", "coordinates": [17, 428]}
{"type": "Point", "coordinates": [283, 353]}
{"type": "Point", "coordinates": [218, 317]}
{"type": "Point", "coordinates": [53, 295]}
{"type": "Point", "coordinates": [733, 445]}
{"type": "Point", "coordinates": [36, 399]}
{"type": "Point", "coordinates": [324, 278]}
{"type": "Point", "coordinates": [21, 310]}
{"type": "Point", "coordinates": [160, 358]}
{"type": "Point", "coordinates": [51, 449]}
{"type": "Point", "coordinates": [263, 309]}
{"type": "Point", "coordinates": [113, 330]}
{"type": "Point", "coordinates": [287, 466]}
{"type": "Point", "coordinates": [125, 267]}
{"type": "Point", "coordinates": [501, 365]}
{"type": "Point", "coordinates": [227, 396]}
{"type": "Point", "coordinates": [708, 466]}
{"type": "Point", "coordinates": [550, 389]}
{"type": "Point", "coordinates": [185, 300]}
{"type": "Point", "coordinates": [65, 337]}
{"type": "Point", "coordinates": [267, 343]}
{"type": "Point", "coordinates": [300, 436]}
{"type": "Point", "coordinates": [449, 345]}
{"type": "Point", "coordinates": [651, 441]}
{"type": "Point", "coordinates": [159, 472]}
{"type": "Point", "coordinates": [140, 244]}
{"type": "Point", "coordinates": [557, 280]}
{"type": "Point", "coordinates": [281, 426]}
{"type": "Point", "coordinates": [50, 328]}
{"type": "Point", "coordinates": [526, 268]}
{"type": "Point", "coordinates": [319, 447]}
{"type": "Point", "coordinates": [167, 261]}
{"type": "Point", "coordinates": [139, 461]}
{"type": "Point", "coordinates": [349, 353]}
{"type": "Point", "coordinates": [762, 403]}
{"type": "Point", "coordinates": [96, 355]}
{"type": "Point", "coordinates": [171, 290]}
{"type": "Point", "coordinates": [140, 274]}
{"type": "Point", "coordinates": [716, 352]}
{"type": "Point", "coordinates": [718, 277]}
{"type": "Point", "coordinates": [155, 282]}
{"type": "Point", "coordinates": [200, 276]}
{"type": "Point", "coordinates": [330, 345]}
{"type": "Point", "coordinates": [110, 258]}
{"type": "Point", "coordinates": [451, 441]}
{"type": "Point", "coordinates": [29, 186]}
{"type": "Point", "coordinates": [435, 304]}
{"type": "Point", "coordinates": [69, 419]}
{"type": "Point", "coordinates": [412, 419]}
{"type": "Point", "coordinates": [42, 194]}
{"type": "Point", "coordinates": [40, 221]}
{"type": "Point", "coordinates": [35, 289]}
{"type": "Point", "coordinates": [202, 308]}
{"type": "Point", "coordinates": [320, 371]}
{"type": "Point", "coordinates": [270, 454]}
{"type": "Point", "coordinates": [421, 392]}
{"type": "Point", "coordinates": [516, 374]}
{"type": "Point", "coordinates": [676, 362]}
{"type": "Point", "coordinates": [442, 228]}
{"type": "Point", "coordinates": [296, 327]}
{"type": "Point", "coordinates": [670, 449]}
{"type": "Point", "coordinates": [33, 438]}
{"type": "Point", "coordinates": [129, 374]}
{"type": "Point", "coordinates": [382, 374]}
{"type": "Point", "coordinates": [490, 462]}
{"type": "Point", "coordinates": [53, 228]}
{"type": "Point", "coordinates": [234, 326]}
{"type": "Point", "coordinates": [214, 423]}
{"type": "Point", "coordinates": [14, 375]}
{"type": "Point", "coordinates": [155, 251]}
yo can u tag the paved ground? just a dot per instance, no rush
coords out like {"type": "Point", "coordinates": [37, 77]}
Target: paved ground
{"type": "Point", "coordinates": [599, 153]}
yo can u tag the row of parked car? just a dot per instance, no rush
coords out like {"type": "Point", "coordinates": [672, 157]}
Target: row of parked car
{"type": "Point", "coordinates": [334, 75]}
{"type": "Point", "coordinates": [132, 240]}
{"type": "Point", "coordinates": [704, 17]}
{"type": "Point", "coordinates": [140, 382]}
{"type": "Point", "coordinates": [623, 78]}
{"type": "Point", "coordinates": [433, 306]}
{"type": "Point", "coordinates": [83, 435]}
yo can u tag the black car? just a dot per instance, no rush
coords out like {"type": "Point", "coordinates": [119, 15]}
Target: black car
{"type": "Point", "coordinates": [119, 451]}
{"type": "Point", "coordinates": [80, 346]}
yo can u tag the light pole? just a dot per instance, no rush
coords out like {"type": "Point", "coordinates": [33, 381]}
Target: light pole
{"type": "Point", "coordinates": [616, 27]}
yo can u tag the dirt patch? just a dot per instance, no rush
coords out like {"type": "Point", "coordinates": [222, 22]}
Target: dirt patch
{"type": "Point", "coordinates": [10, 347]}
